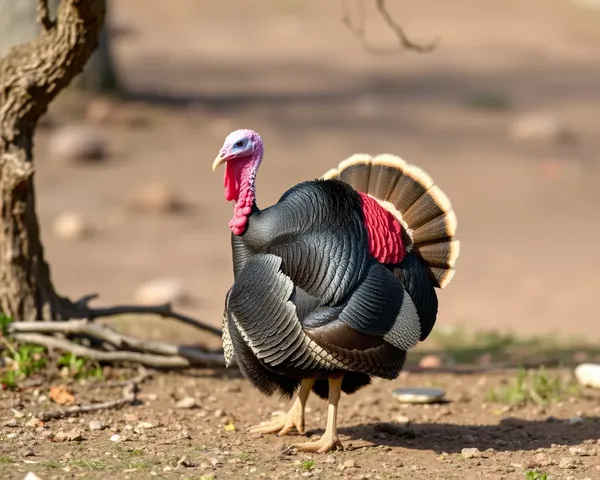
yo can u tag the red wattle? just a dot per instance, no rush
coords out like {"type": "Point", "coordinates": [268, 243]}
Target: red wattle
{"type": "Point", "coordinates": [232, 187]}
{"type": "Point", "coordinates": [385, 232]}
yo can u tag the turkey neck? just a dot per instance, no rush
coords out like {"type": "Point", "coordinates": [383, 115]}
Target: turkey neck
{"type": "Point", "coordinates": [244, 175]}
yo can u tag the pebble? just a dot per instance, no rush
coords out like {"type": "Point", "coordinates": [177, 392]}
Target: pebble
{"type": "Point", "coordinates": [116, 438]}
{"type": "Point", "coordinates": [471, 453]}
{"type": "Point", "coordinates": [96, 425]}
{"type": "Point", "coordinates": [11, 423]}
{"type": "Point", "coordinates": [31, 476]}
{"type": "Point", "coordinates": [588, 374]}
{"type": "Point", "coordinates": [164, 290]}
{"type": "Point", "coordinates": [540, 127]}
{"type": "Point", "coordinates": [566, 463]}
{"type": "Point", "coordinates": [419, 395]}
{"type": "Point", "coordinates": [71, 226]}
{"type": "Point", "coordinates": [430, 361]}
{"type": "Point", "coordinates": [74, 435]}
{"type": "Point", "coordinates": [145, 425]}
{"type": "Point", "coordinates": [157, 197]}
{"type": "Point", "coordinates": [32, 422]}
{"type": "Point", "coordinates": [76, 144]}
{"type": "Point", "coordinates": [46, 435]}
{"type": "Point", "coordinates": [187, 402]}
{"type": "Point", "coordinates": [185, 462]}
{"type": "Point", "coordinates": [348, 464]}
{"type": "Point", "coordinates": [575, 420]}
{"type": "Point", "coordinates": [401, 420]}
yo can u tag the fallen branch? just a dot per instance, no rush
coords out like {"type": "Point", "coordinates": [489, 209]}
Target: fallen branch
{"type": "Point", "coordinates": [186, 357]}
{"type": "Point", "coordinates": [81, 309]}
{"type": "Point", "coordinates": [129, 398]}
{"type": "Point", "coordinates": [358, 30]}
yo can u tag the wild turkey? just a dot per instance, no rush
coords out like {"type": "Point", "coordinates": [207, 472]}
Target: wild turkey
{"type": "Point", "coordinates": [335, 282]}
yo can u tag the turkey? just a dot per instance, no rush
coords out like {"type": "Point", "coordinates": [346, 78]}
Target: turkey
{"type": "Point", "coordinates": [335, 282]}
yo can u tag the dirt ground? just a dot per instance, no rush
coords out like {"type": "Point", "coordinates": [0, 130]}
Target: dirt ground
{"type": "Point", "coordinates": [289, 69]}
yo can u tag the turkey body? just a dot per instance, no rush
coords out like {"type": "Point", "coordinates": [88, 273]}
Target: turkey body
{"type": "Point", "coordinates": [309, 300]}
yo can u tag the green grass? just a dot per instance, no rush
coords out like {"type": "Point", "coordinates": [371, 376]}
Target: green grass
{"type": "Point", "coordinates": [51, 464]}
{"type": "Point", "coordinates": [465, 347]}
{"type": "Point", "coordinates": [23, 361]}
{"type": "Point", "coordinates": [308, 465]}
{"type": "Point", "coordinates": [534, 387]}
{"type": "Point", "coordinates": [80, 367]}
{"type": "Point", "coordinates": [4, 459]}
{"type": "Point", "coordinates": [89, 464]}
{"type": "Point", "coordinates": [535, 475]}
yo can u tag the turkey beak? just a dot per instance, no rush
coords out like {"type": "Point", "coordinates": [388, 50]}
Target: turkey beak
{"type": "Point", "coordinates": [222, 157]}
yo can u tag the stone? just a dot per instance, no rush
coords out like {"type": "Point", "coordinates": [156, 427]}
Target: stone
{"type": "Point", "coordinates": [575, 420]}
{"type": "Point", "coordinates": [187, 402]}
{"type": "Point", "coordinates": [401, 420]}
{"type": "Point", "coordinates": [430, 361]}
{"type": "Point", "coordinates": [157, 197]}
{"type": "Point", "coordinates": [77, 144]}
{"type": "Point", "coordinates": [419, 395]}
{"type": "Point", "coordinates": [471, 453]}
{"type": "Point", "coordinates": [588, 375]}
{"type": "Point", "coordinates": [95, 425]}
{"type": "Point", "coordinates": [540, 128]}
{"type": "Point", "coordinates": [116, 438]}
{"type": "Point", "coordinates": [31, 476]}
{"type": "Point", "coordinates": [71, 226]}
{"type": "Point", "coordinates": [32, 423]}
{"type": "Point", "coordinates": [160, 291]}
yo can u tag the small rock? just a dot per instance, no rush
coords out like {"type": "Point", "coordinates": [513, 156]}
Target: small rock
{"type": "Point", "coordinates": [575, 420]}
{"type": "Point", "coordinates": [430, 361]}
{"type": "Point", "coordinates": [540, 127]}
{"type": "Point", "coordinates": [580, 452]}
{"type": "Point", "coordinates": [542, 460]}
{"type": "Point", "coordinates": [566, 463]}
{"type": "Point", "coordinates": [31, 476]}
{"type": "Point", "coordinates": [11, 423]}
{"type": "Point", "coordinates": [46, 435]}
{"type": "Point", "coordinates": [348, 464]}
{"type": "Point", "coordinates": [131, 417]}
{"type": "Point", "coordinates": [145, 425]}
{"type": "Point", "coordinates": [71, 226]}
{"type": "Point", "coordinates": [116, 438]}
{"type": "Point", "coordinates": [76, 144]}
{"type": "Point", "coordinates": [27, 452]}
{"type": "Point", "coordinates": [167, 469]}
{"type": "Point", "coordinates": [402, 420]}
{"type": "Point", "coordinates": [330, 459]}
{"type": "Point", "coordinates": [185, 462]}
{"type": "Point", "coordinates": [10, 436]}
{"type": "Point", "coordinates": [157, 197]}
{"type": "Point", "coordinates": [471, 453]}
{"type": "Point", "coordinates": [74, 435]}
{"type": "Point", "coordinates": [219, 413]}
{"type": "Point", "coordinates": [187, 402]}
{"type": "Point", "coordinates": [33, 422]}
{"type": "Point", "coordinates": [419, 395]}
{"type": "Point", "coordinates": [588, 374]}
{"type": "Point", "coordinates": [164, 290]}
{"type": "Point", "coordinates": [96, 425]}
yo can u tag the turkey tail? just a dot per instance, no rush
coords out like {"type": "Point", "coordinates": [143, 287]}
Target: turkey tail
{"type": "Point", "coordinates": [420, 206]}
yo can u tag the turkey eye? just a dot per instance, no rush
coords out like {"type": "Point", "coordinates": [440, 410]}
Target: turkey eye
{"type": "Point", "coordinates": [239, 143]}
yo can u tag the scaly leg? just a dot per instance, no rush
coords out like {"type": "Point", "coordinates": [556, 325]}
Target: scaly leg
{"type": "Point", "coordinates": [329, 441]}
{"type": "Point", "coordinates": [283, 424]}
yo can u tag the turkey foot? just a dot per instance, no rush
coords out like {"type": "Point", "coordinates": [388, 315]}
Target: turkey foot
{"type": "Point", "coordinates": [329, 440]}
{"type": "Point", "coordinates": [284, 424]}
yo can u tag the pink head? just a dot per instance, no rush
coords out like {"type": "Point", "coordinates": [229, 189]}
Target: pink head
{"type": "Point", "coordinates": [242, 150]}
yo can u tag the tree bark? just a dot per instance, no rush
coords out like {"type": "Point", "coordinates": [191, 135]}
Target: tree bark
{"type": "Point", "coordinates": [18, 25]}
{"type": "Point", "coordinates": [31, 76]}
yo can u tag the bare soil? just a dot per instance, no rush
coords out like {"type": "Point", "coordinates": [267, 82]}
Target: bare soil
{"type": "Point", "coordinates": [290, 70]}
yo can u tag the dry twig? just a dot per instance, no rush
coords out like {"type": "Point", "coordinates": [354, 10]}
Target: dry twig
{"type": "Point", "coordinates": [81, 309]}
{"type": "Point", "coordinates": [358, 30]}
{"type": "Point", "coordinates": [129, 398]}
{"type": "Point", "coordinates": [184, 358]}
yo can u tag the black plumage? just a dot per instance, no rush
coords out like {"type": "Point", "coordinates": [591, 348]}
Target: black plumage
{"type": "Point", "coordinates": [309, 301]}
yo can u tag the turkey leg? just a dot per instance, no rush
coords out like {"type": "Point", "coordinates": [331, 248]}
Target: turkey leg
{"type": "Point", "coordinates": [283, 424]}
{"type": "Point", "coordinates": [329, 440]}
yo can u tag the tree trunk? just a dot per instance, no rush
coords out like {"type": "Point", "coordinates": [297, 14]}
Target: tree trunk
{"type": "Point", "coordinates": [18, 25]}
{"type": "Point", "coordinates": [31, 76]}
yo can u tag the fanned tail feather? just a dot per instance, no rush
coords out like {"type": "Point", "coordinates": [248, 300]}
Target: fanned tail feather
{"type": "Point", "coordinates": [410, 194]}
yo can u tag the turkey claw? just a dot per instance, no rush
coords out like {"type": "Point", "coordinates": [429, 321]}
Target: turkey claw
{"type": "Point", "coordinates": [323, 445]}
{"type": "Point", "coordinates": [281, 424]}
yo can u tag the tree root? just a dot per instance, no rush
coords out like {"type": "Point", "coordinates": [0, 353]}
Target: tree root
{"type": "Point", "coordinates": [129, 398]}
{"type": "Point", "coordinates": [358, 30]}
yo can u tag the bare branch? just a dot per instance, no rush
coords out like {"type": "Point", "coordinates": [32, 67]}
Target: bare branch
{"type": "Point", "coordinates": [129, 398]}
{"type": "Point", "coordinates": [184, 357]}
{"type": "Point", "coordinates": [43, 15]}
{"type": "Point", "coordinates": [80, 309]}
{"type": "Point", "coordinates": [358, 30]}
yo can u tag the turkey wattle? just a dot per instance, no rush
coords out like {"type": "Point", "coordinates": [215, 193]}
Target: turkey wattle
{"type": "Point", "coordinates": [335, 282]}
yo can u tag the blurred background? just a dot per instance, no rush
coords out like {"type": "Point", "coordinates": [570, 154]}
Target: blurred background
{"type": "Point", "coordinates": [503, 114]}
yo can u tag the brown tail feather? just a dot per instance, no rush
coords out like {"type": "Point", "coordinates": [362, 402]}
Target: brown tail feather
{"type": "Point", "coordinates": [410, 195]}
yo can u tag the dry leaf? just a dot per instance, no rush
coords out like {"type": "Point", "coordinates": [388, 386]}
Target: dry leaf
{"type": "Point", "coordinates": [61, 395]}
